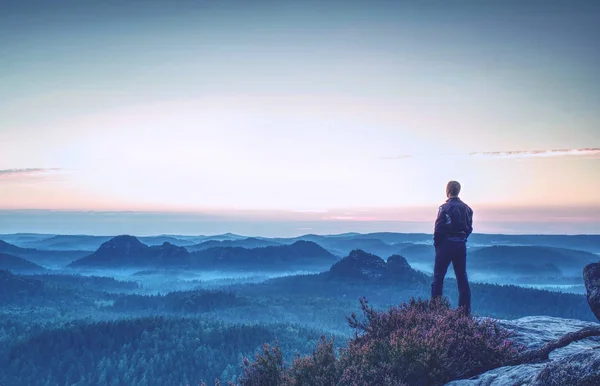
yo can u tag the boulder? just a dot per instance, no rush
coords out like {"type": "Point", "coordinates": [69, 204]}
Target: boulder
{"type": "Point", "coordinates": [581, 369]}
{"type": "Point", "coordinates": [591, 278]}
{"type": "Point", "coordinates": [565, 366]}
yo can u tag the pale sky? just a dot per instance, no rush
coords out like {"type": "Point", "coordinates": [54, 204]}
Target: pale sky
{"type": "Point", "coordinates": [318, 112]}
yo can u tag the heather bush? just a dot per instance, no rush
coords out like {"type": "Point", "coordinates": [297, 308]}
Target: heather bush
{"type": "Point", "coordinates": [422, 342]}
{"type": "Point", "coordinates": [320, 369]}
{"type": "Point", "coordinates": [267, 370]}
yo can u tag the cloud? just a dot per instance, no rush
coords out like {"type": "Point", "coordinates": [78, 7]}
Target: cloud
{"type": "Point", "coordinates": [26, 173]}
{"type": "Point", "coordinates": [588, 151]}
{"type": "Point", "coordinates": [403, 156]}
{"type": "Point", "coordinates": [339, 218]}
{"type": "Point", "coordinates": [582, 152]}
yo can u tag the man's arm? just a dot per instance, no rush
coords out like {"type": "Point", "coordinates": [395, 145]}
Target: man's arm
{"type": "Point", "coordinates": [469, 221]}
{"type": "Point", "coordinates": [439, 231]}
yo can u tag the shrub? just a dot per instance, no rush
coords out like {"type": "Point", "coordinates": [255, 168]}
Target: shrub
{"type": "Point", "coordinates": [423, 342]}
{"type": "Point", "coordinates": [267, 370]}
{"type": "Point", "coordinates": [320, 369]}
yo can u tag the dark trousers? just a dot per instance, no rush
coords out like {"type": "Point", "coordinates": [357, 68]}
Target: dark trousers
{"type": "Point", "coordinates": [456, 253]}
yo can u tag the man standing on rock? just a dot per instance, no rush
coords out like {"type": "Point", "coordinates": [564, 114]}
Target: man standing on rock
{"type": "Point", "coordinates": [453, 226]}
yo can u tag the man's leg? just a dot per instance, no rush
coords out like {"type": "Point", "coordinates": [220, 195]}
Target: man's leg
{"type": "Point", "coordinates": [459, 263]}
{"type": "Point", "coordinates": [442, 261]}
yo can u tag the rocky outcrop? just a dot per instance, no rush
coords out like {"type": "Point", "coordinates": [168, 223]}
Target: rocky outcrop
{"type": "Point", "coordinates": [397, 264]}
{"type": "Point", "coordinates": [128, 251]}
{"type": "Point", "coordinates": [359, 265]}
{"type": "Point", "coordinates": [591, 278]}
{"type": "Point", "coordinates": [366, 266]}
{"type": "Point", "coordinates": [565, 365]}
{"type": "Point", "coordinates": [582, 369]}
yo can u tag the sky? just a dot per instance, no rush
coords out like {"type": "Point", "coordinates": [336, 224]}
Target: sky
{"type": "Point", "coordinates": [285, 117]}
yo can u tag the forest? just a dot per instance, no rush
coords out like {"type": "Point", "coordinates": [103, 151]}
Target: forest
{"type": "Point", "coordinates": [160, 324]}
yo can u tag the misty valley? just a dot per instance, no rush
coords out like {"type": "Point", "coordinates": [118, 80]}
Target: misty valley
{"type": "Point", "coordinates": [179, 310]}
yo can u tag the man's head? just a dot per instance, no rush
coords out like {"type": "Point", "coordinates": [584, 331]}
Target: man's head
{"type": "Point", "coordinates": [452, 189]}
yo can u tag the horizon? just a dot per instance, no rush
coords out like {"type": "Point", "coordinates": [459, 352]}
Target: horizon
{"type": "Point", "coordinates": [275, 119]}
{"type": "Point", "coordinates": [175, 235]}
{"type": "Point", "coordinates": [111, 223]}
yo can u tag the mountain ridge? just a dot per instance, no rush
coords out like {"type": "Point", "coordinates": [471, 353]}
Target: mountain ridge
{"type": "Point", "coordinates": [129, 251]}
{"type": "Point", "coordinates": [17, 264]}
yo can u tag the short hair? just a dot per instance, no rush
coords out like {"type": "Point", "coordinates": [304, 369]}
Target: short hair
{"type": "Point", "coordinates": [453, 188]}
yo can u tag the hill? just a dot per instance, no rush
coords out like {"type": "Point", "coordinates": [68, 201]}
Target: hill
{"type": "Point", "coordinates": [18, 265]}
{"type": "Point", "coordinates": [68, 242]}
{"type": "Point", "coordinates": [418, 253]}
{"type": "Point", "coordinates": [299, 255]}
{"type": "Point", "coordinates": [503, 260]}
{"type": "Point", "coordinates": [159, 240]}
{"type": "Point", "coordinates": [16, 287]}
{"type": "Point", "coordinates": [385, 284]}
{"type": "Point", "coordinates": [23, 238]}
{"type": "Point", "coordinates": [589, 243]}
{"type": "Point", "coordinates": [48, 259]}
{"type": "Point", "coordinates": [248, 243]}
{"type": "Point", "coordinates": [530, 261]}
{"type": "Point", "coordinates": [27, 291]}
{"type": "Point", "coordinates": [221, 237]}
{"type": "Point", "coordinates": [363, 266]}
{"type": "Point", "coordinates": [128, 251]}
{"type": "Point", "coordinates": [344, 245]}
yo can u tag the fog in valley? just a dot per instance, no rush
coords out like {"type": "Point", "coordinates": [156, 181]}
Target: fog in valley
{"type": "Point", "coordinates": [290, 290]}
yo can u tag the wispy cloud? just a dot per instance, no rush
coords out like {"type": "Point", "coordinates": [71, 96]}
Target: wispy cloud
{"type": "Point", "coordinates": [589, 151]}
{"type": "Point", "coordinates": [26, 173]}
{"type": "Point", "coordinates": [582, 152]}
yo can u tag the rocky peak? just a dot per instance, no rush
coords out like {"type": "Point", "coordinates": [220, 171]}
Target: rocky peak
{"type": "Point", "coordinates": [360, 264]}
{"type": "Point", "coordinates": [123, 244]}
{"type": "Point", "coordinates": [397, 264]}
{"type": "Point", "coordinates": [168, 245]}
{"type": "Point", "coordinates": [305, 245]}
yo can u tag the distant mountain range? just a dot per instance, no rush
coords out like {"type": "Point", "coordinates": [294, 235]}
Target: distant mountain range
{"type": "Point", "coordinates": [250, 242]}
{"type": "Point", "coordinates": [44, 258]}
{"type": "Point", "coordinates": [67, 242]}
{"type": "Point", "coordinates": [526, 260]}
{"type": "Point", "coordinates": [128, 251]}
{"type": "Point", "coordinates": [510, 261]}
{"type": "Point", "coordinates": [510, 255]}
{"type": "Point", "coordinates": [299, 255]}
{"type": "Point", "coordinates": [382, 243]}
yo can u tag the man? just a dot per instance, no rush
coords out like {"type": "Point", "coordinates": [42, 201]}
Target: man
{"type": "Point", "coordinates": [453, 226]}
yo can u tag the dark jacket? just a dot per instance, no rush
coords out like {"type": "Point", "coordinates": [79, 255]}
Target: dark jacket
{"type": "Point", "coordinates": [454, 222]}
